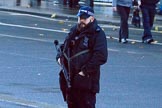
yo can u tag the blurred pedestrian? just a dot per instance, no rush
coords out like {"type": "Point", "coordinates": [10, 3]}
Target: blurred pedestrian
{"type": "Point", "coordinates": [90, 3]}
{"type": "Point", "coordinates": [123, 9]}
{"type": "Point", "coordinates": [38, 2]}
{"type": "Point", "coordinates": [148, 8]}
{"type": "Point", "coordinates": [18, 2]}
{"type": "Point", "coordinates": [34, 3]}
{"type": "Point", "coordinates": [84, 51]}
{"type": "Point", "coordinates": [73, 3]}
{"type": "Point", "coordinates": [160, 10]}
{"type": "Point", "coordinates": [64, 2]}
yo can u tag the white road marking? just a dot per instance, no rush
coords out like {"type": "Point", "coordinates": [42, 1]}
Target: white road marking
{"type": "Point", "coordinates": [131, 52]}
{"type": "Point", "coordinates": [102, 25]}
{"type": "Point", "coordinates": [60, 31]}
{"type": "Point", "coordinates": [114, 50]}
{"type": "Point", "coordinates": [35, 39]}
{"type": "Point", "coordinates": [41, 17]}
{"type": "Point", "coordinates": [117, 27]}
{"type": "Point", "coordinates": [26, 103]}
{"type": "Point", "coordinates": [25, 38]}
{"type": "Point", "coordinates": [29, 27]}
{"type": "Point", "coordinates": [134, 40]}
{"type": "Point", "coordinates": [23, 55]}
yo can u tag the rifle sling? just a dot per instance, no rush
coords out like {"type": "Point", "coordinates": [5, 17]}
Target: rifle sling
{"type": "Point", "coordinates": [76, 55]}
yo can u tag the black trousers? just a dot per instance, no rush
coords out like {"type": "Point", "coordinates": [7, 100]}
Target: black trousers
{"type": "Point", "coordinates": [90, 3]}
{"type": "Point", "coordinates": [148, 14]}
{"type": "Point", "coordinates": [18, 2]}
{"type": "Point", "coordinates": [38, 2]}
{"type": "Point", "coordinates": [82, 99]}
{"type": "Point", "coordinates": [73, 3]}
{"type": "Point", "coordinates": [124, 15]}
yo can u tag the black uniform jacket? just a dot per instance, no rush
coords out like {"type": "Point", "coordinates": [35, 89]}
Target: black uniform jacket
{"type": "Point", "coordinates": [87, 51]}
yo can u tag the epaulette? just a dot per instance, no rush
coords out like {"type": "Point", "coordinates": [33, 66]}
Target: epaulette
{"type": "Point", "coordinates": [98, 29]}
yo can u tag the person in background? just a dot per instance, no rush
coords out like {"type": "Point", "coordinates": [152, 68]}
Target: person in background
{"type": "Point", "coordinates": [73, 3]}
{"type": "Point", "coordinates": [38, 2]}
{"type": "Point", "coordinates": [64, 2]}
{"type": "Point", "coordinates": [33, 3]}
{"type": "Point", "coordinates": [84, 50]}
{"type": "Point", "coordinates": [148, 8]}
{"type": "Point", "coordinates": [18, 2]}
{"type": "Point", "coordinates": [90, 3]}
{"type": "Point", "coordinates": [123, 8]}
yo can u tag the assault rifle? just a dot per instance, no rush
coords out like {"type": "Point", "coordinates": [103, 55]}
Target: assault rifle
{"type": "Point", "coordinates": [59, 50]}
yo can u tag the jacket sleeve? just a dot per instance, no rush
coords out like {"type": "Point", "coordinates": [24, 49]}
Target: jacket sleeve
{"type": "Point", "coordinates": [99, 55]}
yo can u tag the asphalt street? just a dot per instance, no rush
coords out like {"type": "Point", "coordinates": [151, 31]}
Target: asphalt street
{"type": "Point", "coordinates": [131, 78]}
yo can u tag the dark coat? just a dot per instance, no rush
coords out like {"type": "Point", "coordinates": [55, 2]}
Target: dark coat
{"type": "Point", "coordinates": [91, 38]}
{"type": "Point", "coordinates": [149, 2]}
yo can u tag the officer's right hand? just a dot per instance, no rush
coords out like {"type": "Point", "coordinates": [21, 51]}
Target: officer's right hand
{"type": "Point", "coordinates": [114, 9]}
{"type": "Point", "coordinates": [59, 61]}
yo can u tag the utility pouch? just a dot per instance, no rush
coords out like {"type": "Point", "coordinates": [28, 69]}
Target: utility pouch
{"type": "Point", "coordinates": [82, 82]}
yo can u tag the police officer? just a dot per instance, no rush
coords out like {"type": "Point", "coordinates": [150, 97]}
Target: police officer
{"type": "Point", "coordinates": [85, 50]}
